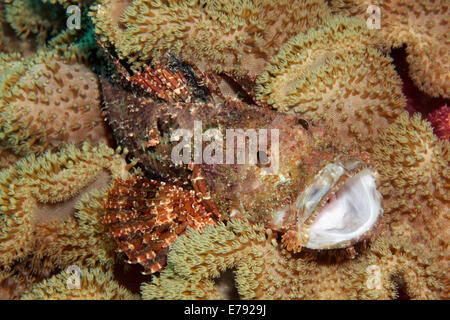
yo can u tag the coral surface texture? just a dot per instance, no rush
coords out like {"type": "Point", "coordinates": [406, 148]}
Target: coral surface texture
{"type": "Point", "coordinates": [224, 149]}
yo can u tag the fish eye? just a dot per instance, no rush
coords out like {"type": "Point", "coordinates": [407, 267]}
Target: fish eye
{"type": "Point", "coordinates": [303, 123]}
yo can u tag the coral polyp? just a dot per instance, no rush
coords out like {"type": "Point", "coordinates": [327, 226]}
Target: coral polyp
{"type": "Point", "coordinates": [30, 17]}
{"type": "Point", "coordinates": [263, 270]}
{"type": "Point", "coordinates": [338, 77]}
{"type": "Point", "coordinates": [58, 94]}
{"type": "Point", "coordinates": [95, 284]}
{"type": "Point", "coordinates": [228, 36]}
{"type": "Point", "coordinates": [413, 166]}
{"type": "Point", "coordinates": [55, 218]}
{"type": "Point", "coordinates": [423, 26]}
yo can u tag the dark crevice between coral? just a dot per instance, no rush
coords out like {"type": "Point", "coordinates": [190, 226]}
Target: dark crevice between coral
{"type": "Point", "coordinates": [7, 29]}
{"type": "Point", "coordinates": [14, 44]}
{"type": "Point", "coordinates": [226, 284]}
{"type": "Point", "coordinates": [400, 284]}
{"type": "Point", "coordinates": [130, 276]}
{"type": "Point", "coordinates": [417, 101]}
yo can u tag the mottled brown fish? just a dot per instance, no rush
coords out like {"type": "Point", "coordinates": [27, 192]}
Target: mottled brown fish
{"type": "Point", "coordinates": [293, 178]}
{"type": "Point", "coordinates": [146, 216]}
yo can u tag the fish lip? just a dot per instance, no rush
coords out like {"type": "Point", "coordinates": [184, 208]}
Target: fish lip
{"type": "Point", "coordinates": [323, 186]}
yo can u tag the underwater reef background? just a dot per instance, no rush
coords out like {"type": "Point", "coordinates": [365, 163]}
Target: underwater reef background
{"type": "Point", "coordinates": [85, 117]}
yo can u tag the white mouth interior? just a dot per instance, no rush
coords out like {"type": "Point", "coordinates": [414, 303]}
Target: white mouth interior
{"type": "Point", "coordinates": [352, 213]}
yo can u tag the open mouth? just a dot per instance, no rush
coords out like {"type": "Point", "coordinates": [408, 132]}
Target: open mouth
{"type": "Point", "coordinates": [349, 215]}
{"type": "Point", "coordinates": [340, 207]}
